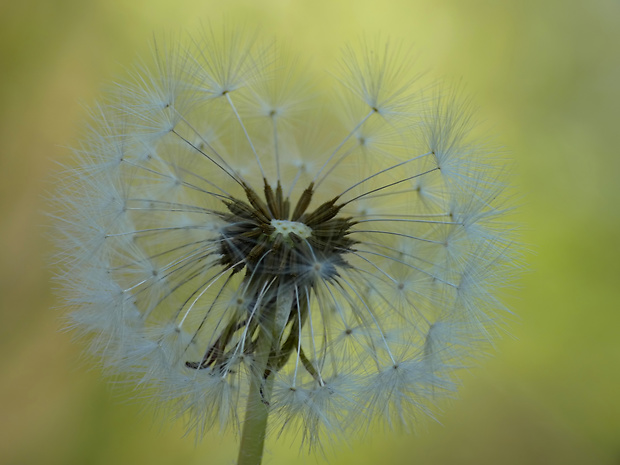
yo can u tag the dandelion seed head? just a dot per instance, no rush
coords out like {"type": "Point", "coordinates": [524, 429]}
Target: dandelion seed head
{"type": "Point", "coordinates": [219, 230]}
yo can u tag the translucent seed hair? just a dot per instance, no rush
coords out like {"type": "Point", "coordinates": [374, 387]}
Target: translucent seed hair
{"type": "Point", "coordinates": [235, 237]}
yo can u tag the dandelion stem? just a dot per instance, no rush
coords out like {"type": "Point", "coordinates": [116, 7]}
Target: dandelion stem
{"type": "Point", "coordinates": [257, 409]}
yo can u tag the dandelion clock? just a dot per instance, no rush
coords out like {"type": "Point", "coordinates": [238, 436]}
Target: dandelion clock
{"type": "Point", "coordinates": [264, 254]}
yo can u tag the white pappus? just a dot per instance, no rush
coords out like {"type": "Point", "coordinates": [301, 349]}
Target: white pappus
{"type": "Point", "coordinates": [225, 224]}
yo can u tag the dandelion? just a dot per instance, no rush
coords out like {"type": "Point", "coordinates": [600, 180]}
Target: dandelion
{"type": "Point", "coordinates": [232, 242]}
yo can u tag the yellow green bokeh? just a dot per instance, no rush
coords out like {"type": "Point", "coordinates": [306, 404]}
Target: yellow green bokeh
{"type": "Point", "coordinates": [545, 75]}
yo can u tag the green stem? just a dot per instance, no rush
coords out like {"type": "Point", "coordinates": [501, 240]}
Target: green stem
{"type": "Point", "coordinates": [257, 410]}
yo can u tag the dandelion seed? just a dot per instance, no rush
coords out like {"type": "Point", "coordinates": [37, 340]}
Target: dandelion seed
{"type": "Point", "coordinates": [228, 246]}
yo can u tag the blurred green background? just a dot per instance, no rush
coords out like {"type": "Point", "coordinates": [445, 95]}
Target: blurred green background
{"type": "Point", "coordinates": [546, 75]}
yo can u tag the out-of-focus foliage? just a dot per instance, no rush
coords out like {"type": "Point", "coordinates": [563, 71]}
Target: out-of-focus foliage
{"type": "Point", "coordinates": [545, 76]}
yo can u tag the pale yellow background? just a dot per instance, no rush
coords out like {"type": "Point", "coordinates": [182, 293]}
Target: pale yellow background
{"type": "Point", "coordinates": [546, 76]}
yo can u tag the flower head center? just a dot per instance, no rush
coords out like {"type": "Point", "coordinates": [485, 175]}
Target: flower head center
{"type": "Point", "coordinates": [286, 227]}
{"type": "Point", "coordinates": [265, 237]}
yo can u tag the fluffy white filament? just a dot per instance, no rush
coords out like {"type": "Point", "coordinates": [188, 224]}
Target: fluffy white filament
{"type": "Point", "coordinates": [385, 324]}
